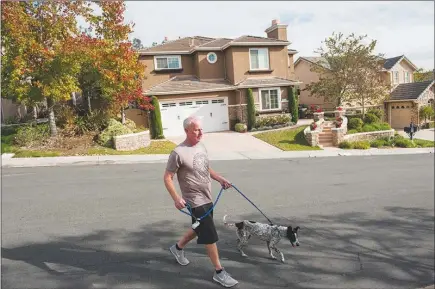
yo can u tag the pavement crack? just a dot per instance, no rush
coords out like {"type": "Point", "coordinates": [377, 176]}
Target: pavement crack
{"type": "Point", "coordinates": [361, 267]}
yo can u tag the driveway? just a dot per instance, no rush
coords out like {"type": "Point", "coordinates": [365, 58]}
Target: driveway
{"type": "Point", "coordinates": [230, 141]}
{"type": "Point", "coordinates": [427, 134]}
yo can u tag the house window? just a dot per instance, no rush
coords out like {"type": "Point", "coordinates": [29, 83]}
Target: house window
{"type": "Point", "coordinates": [270, 98]}
{"type": "Point", "coordinates": [395, 77]}
{"type": "Point", "coordinates": [259, 58]}
{"type": "Point", "coordinates": [167, 62]}
{"type": "Point", "coordinates": [406, 74]}
{"type": "Point", "coordinates": [212, 57]}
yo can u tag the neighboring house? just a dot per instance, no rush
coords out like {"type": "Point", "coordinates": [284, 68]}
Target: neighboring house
{"type": "Point", "coordinates": [209, 77]}
{"type": "Point", "coordinates": [397, 73]}
{"type": "Point", "coordinates": [405, 103]}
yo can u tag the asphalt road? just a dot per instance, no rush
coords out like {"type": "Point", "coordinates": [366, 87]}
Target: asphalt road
{"type": "Point", "coordinates": [366, 222]}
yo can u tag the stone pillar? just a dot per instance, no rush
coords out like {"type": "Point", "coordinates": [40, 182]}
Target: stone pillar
{"type": "Point", "coordinates": [337, 135]}
{"type": "Point", "coordinates": [318, 116]}
{"type": "Point", "coordinates": [339, 113]}
{"type": "Point", "coordinates": [312, 137]}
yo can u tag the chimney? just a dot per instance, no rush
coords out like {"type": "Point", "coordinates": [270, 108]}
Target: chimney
{"type": "Point", "coordinates": [277, 30]}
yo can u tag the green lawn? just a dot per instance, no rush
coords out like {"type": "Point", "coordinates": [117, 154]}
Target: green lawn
{"type": "Point", "coordinates": [287, 139]}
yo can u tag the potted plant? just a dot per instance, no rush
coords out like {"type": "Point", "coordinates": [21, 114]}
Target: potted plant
{"type": "Point", "coordinates": [338, 122]}
{"type": "Point", "coordinates": [313, 126]}
{"type": "Point", "coordinates": [241, 127]}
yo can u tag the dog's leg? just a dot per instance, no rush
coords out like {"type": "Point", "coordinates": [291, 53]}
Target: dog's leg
{"type": "Point", "coordinates": [270, 250]}
{"type": "Point", "coordinates": [278, 252]}
{"type": "Point", "coordinates": [242, 241]}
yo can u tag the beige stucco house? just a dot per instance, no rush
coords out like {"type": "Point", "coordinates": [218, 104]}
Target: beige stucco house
{"type": "Point", "coordinates": [406, 96]}
{"type": "Point", "coordinates": [209, 77]}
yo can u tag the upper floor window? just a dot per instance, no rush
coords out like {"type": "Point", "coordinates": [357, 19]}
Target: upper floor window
{"type": "Point", "coordinates": [395, 77]}
{"type": "Point", "coordinates": [167, 62]}
{"type": "Point", "coordinates": [259, 58]}
{"type": "Point", "coordinates": [406, 74]}
{"type": "Point", "coordinates": [270, 98]}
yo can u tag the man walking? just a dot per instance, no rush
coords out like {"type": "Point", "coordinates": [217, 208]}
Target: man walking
{"type": "Point", "coordinates": [189, 160]}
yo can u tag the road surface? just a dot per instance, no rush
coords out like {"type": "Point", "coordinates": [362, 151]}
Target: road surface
{"type": "Point", "coordinates": [366, 222]}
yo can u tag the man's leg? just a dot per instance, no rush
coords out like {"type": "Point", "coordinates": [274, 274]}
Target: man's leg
{"type": "Point", "coordinates": [213, 254]}
{"type": "Point", "coordinates": [188, 236]}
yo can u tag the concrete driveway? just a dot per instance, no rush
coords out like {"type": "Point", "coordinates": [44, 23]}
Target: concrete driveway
{"type": "Point", "coordinates": [427, 134]}
{"type": "Point", "coordinates": [230, 141]}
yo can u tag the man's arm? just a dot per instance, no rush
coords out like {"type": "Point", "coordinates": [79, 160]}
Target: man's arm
{"type": "Point", "coordinates": [169, 184]}
{"type": "Point", "coordinates": [215, 176]}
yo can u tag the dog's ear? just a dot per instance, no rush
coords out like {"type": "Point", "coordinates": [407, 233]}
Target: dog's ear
{"type": "Point", "coordinates": [296, 229]}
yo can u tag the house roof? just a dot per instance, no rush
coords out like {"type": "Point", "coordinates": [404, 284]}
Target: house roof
{"type": "Point", "coordinates": [191, 84]}
{"type": "Point", "coordinates": [188, 45]}
{"type": "Point", "coordinates": [410, 91]}
{"type": "Point", "coordinates": [265, 82]}
{"type": "Point", "coordinates": [188, 84]}
{"type": "Point", "coordinates": [391, 62]}
{"type": "Point", "coordinates": [314, 60]}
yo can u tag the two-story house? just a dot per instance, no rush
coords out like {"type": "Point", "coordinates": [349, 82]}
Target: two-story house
{"type": "Point", "coordinates": [405, 99]}
{"type": "Point", "coordinates": [209, 77]}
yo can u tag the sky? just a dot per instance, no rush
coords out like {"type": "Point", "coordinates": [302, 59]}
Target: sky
{"type": "Point", "coordinates": [399, 27]}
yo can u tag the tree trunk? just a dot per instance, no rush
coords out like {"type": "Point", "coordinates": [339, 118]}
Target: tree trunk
{"type": "Point", "coordinates": [122, 116]}
{"type": "Point", "coordinates": [89, 102]}
{"type": "Point", "coordinates": [51, 118]}
{"type": "Point", "coordinates": [73, 98]}
{"type": "Point", "coordinates": [35, 112]}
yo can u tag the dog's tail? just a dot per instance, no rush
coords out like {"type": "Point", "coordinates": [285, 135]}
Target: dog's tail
{"type": "Point", "coordinates": [228, 224]}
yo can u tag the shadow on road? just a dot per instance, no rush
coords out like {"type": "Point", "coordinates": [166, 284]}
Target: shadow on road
{"type": "Point", "coordinates": [355, 250]}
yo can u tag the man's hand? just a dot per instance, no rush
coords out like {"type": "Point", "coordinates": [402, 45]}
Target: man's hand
{"type": "Point", "coordinates": [180, 203]}
{"type": "Point", "coordinates": [225, 184]}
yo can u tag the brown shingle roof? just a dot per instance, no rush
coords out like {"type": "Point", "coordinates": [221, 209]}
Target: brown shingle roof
{"type": "Point", "coordinates": [413, 90]}
{"type": "Point", "coordinates": [266, 82]}
{"type": "Point", "coordinates": [257, 39]}
{"type": "Point", "coordinates": [188, 84]}
{"type": "Point", "coordinates": [182, 45]}
{"type": "Point", "coordinates": [217, 43]}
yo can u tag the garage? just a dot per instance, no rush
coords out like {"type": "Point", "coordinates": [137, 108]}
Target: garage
{"type": "Point", "coordinates": [212, 111]}
{"type": "Point", "coordinates": [401, 115]}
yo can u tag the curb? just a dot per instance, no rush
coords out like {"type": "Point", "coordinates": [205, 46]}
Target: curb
{"type": "Point", "coordinates": [9, 162]}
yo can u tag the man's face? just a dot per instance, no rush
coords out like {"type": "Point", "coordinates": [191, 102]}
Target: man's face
{"type": "Point", "coordinates": [194, 132]}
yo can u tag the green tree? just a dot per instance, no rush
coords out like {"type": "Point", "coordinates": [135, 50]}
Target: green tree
{"type": "Point", "coordinates": [426, 112]}
{"type": "Point", "coordinates": [251, 110]}
{"type": "Point", "coordinates": [343, 61]}
{"type": "Point", "coordinates": [137, 44]}
{"type": "Point", "coordinates": [156, 127]}
{"type": "Point", "coordinates": [40, 59]}
{"type": "Point", "coordinates": [293, 103]}
{"type": "Point", "coordinates": [422, 75]}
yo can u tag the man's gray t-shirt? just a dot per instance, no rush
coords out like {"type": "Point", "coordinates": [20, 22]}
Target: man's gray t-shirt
{"type": "Point", "coordinates": [191, 165]}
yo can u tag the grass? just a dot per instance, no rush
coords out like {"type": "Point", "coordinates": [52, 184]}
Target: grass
{"type": "Point", "coordinates": [156, 147]}
{"type": "Point", "coordinates": [287, 139]}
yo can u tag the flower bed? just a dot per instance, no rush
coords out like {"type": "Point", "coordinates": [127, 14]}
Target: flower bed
{"type": "Point", "coordinates": [272, 122]}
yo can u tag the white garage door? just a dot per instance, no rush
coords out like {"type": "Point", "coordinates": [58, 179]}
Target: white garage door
{"type": "Point", "coordinates": [212, 111]}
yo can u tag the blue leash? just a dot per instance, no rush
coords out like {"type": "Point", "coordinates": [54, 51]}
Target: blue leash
{"type": "Point", "coordinates": [197, 220]}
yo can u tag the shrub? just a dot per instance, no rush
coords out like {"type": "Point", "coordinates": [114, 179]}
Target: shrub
{"type": "Point", "coordinates": [376, 111]}
{"type": "Point", "coordinates": [361, 145]}
{"type": "Point", "coordinates": [293, 104]}
{"type": "Point", "coordinates": [272, 120]}
{"type": "Point", "coordinates": [424, 143]}
{"type": "Point", "coordinates": [31, 135]}
{"type": "Point", "coordinates": [352, 131]}
{"type": "Point", "coordinates": [114, 128]}
{"type": "Point", "coordinates": [368, 128]}
{"type": "Point", "coordinates": [241, 127]}
{"type": "Point", "coordinates": [371, 118]}
{"type": "Point", "coordinates": [404, 143]}
{"type": "Point", "coordinates": [97, 120]}
{"type": "Point", "coordinates": [345, 145]}
{"type": "Point", "coordinates": [355, 123]}
{"type": "Point", "coordinates": [156, 127]}
{"type": "Point", "coordinates": [251, 110]}
{"type": "Point", "coordinates": [377, 143]}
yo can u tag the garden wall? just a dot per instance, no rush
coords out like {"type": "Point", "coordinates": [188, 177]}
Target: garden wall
{"type": "Point", "coordinates": [133, 141]}
{"type": "Point", "coordinates": [369, 136]}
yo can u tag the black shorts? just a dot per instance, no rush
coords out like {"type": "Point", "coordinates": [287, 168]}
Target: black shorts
{"type": "Point", "coordinates": [206, 231]}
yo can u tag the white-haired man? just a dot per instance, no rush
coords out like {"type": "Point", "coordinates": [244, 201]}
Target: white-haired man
{"type": "Point", "coordinates": [189, 160]}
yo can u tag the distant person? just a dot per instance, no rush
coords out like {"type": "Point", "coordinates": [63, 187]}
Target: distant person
{"type": "Point", "coordinates": [189, 160]}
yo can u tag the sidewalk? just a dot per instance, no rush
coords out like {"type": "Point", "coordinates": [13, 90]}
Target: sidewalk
{"type": "Point", "coordinates": [8, 161]}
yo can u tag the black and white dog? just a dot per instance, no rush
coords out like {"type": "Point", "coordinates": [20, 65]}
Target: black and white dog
{"type": "Point", "coordinates": [272, 234]}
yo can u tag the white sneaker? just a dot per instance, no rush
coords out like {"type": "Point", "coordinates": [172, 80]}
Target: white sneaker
{"type": "Point", "coordinates": [224, 279]}
{"type": "Point", "coordinates": [179, 256]}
